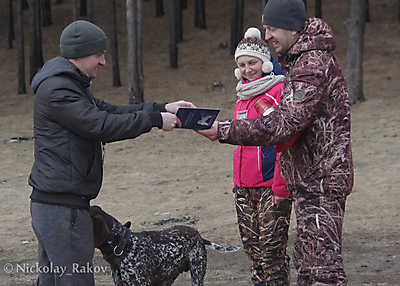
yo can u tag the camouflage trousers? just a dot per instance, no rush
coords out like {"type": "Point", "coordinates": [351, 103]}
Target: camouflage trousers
{"type": "Point", "coordinates": [318, 246]}
{"type": "Point", "coordinates": [264, 232]}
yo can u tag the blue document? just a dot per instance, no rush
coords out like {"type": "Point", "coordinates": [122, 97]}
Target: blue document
{"type": "Point", "coordinates": [197, 118]}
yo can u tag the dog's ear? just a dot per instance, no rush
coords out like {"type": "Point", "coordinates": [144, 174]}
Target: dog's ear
{"type": "Point", "coordinates": [101, 230]}
{"type": "Point", "coordinates": [128, 224]}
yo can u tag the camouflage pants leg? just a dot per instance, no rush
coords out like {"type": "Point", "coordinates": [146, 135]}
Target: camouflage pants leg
{"type": "Point", "coordinates": [264, 232]}
{"type": "Point", "coordinates": [317, 250]}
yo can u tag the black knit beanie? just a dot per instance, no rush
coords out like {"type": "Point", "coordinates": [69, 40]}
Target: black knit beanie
{"type": "Point", "coordinates": [285, 14]}
{"type": "Point", "coordinates": [82, 38]}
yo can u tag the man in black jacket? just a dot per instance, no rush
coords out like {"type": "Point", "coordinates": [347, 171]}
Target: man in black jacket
{"type": "Point", "coordinates": [71, 127]}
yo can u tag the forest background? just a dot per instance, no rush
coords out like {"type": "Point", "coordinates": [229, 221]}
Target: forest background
{"type": "Point", "coordinates": [181, 175]}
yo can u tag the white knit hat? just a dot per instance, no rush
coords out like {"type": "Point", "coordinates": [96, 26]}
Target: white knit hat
{"type": "Point", "coordinates": [252, 45]}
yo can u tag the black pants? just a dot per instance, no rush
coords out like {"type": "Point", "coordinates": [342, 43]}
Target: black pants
{"type": "Point", "coordinates": [66, 247]}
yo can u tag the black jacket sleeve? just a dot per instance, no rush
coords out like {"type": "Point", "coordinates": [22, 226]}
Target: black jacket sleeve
{"type": "Point", "coordinates": [75, 111]}
{"type": "Point", "coordinates": [147, 107]}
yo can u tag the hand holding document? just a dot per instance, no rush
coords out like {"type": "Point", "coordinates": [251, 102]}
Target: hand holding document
{"type": "Point", "coordinates": [197, 118]}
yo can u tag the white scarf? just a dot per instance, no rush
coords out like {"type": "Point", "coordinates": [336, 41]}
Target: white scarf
{"type": "Point", "coordinates": [249, 89]}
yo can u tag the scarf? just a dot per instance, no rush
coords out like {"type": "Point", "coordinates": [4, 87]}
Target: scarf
{"type": "Point", "coordinates": [246, 90]}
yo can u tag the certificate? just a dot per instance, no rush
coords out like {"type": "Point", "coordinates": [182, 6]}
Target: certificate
{"type": "Point", "coordinates": [197, 118]}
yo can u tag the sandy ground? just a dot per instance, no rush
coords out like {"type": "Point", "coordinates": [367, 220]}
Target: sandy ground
{"type": "Point", "coordinates": [163, 175]}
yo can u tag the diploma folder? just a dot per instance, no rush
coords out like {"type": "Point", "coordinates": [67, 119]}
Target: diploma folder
{"type": "Point", "coordinates": [197, 118]}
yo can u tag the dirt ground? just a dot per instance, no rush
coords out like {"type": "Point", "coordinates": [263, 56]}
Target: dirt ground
{"type": "Point", "coordinates": [163, 175]}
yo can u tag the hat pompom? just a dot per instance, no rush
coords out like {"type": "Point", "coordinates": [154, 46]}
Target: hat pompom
{"type": "Point", "coordinates": [238, 74]}
{"type": "Point", "coordinates": [253, 33]}
{"type": "Point", "coordinates": [267, 67]}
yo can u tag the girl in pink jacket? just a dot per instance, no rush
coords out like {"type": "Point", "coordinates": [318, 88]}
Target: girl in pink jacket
{"type": "Point", "coordinates": [262, 201]}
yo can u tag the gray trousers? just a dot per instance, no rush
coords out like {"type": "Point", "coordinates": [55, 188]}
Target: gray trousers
{"type": "Point", "coordinates": [66, 247]}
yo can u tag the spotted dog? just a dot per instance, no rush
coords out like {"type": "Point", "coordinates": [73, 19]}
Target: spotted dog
{"type": "Point", "coordinates": [151, 258]}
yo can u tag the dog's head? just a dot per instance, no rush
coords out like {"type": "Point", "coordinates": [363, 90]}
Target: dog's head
{"type": "Point", "coordinates": [105, 226]}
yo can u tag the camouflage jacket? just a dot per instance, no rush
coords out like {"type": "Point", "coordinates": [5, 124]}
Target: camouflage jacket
{"type": "Point", "coordinates": [314, 101]}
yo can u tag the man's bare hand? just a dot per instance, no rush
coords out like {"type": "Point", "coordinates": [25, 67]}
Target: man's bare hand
{"type": "Point", "coordinates": [211, 133]}
{"type": "Point", "coordinates": [174, 106]}
{"type": "Point", "coordinates": [170, 121]}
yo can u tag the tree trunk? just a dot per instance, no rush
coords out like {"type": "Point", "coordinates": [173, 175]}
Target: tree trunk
{"type": "Point", "coordinates": [183, 4]}
{"type": "Point", "coordinates": [46, 12]}
{"type": "Point", "coordinates": [318, 8]}
{"type": "Point", "coordinates": [355, 49]}
{"type": "Point", "coordinates": [19, 27]}
{"type": "Point", "coordinates": [367, 16]}
{"type": "Point", "coordinates": [200, 14]}
{"type": "Point", "coordinates": [75, 10]}
{"type": "Point", "coordinates": [11, 34]}
{"type": "Point", "coordinates": [90, 10]}
{"type": "Point", "coordinates": [135, 62]}
{"type": "Point", "coordinates": [159, 8]}
{"type": "Point", "coordinates": [179, 21]}
{"type": "Point", "coordinates": [114, 45]}
{"type": "Point", "coordinates": [173, 34]}
{"type": "Point", "coordinates": [237, 23]}
{"type": "Point", "coordinates": [86, 9]}
{"type": "Point", "coordinates": [83, 8]}
{"type": "Point", "coordinates": [25, 5]}
{"type": "Point", "coordinates": [35, 37]}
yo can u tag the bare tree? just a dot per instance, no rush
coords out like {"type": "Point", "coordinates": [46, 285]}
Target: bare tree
{"type": "Point", "coordinates": [75, 9]}
{"type": "Point", "coordinates": [35, 37]}
{"type": "Point", "coordinates": [86, 9]}
{"type": "Point", "coordinates": [318, 8]}
{"type": "Point", "coordinates": [25, 5]}
{"type": "Point", "coordinates": [173, 33]}
{"type": "Point", "coordinates": [135, 61]}
{"type": "Point", "coordinates": [83, 8]}
{"type": "Point", "coordinates": [159, 8]}
{"type": "Point", "coordinates": [19, 27]}
{"type": "Point", "coordinates": [183, 4]}
{"type": "Point", "coordinates": [46, 12]}
{"type": "Point", "coordinates": [355, 49]}
{"type": "Point", "coordinates": [200, 14]}
{"type": "Point", "coordinates": [90, 10]}
{"type": "Point", "coordinates": [11, 34]}
{"type": "Point", "coordinates": [179, 21]}
{"type": "Point", "coordinates": [237, 23]}
{"type": "Point", "coordinates": [114, 45]}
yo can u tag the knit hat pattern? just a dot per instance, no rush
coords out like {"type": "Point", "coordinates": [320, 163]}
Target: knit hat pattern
{"type": "Point", "coordinates": [285, 14]}
{"type": "Point", "coordinates": [82, 38]}
{"type": "Point", "coordinates": [252, 45]}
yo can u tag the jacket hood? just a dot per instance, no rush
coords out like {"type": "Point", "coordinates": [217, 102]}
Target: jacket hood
{"type": "Point", "coordinates": [59, 66]}
{"type": "Point", "coordinates": [317, 35]}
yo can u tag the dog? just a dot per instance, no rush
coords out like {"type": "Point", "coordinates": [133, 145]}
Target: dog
{"type": "Point", "coordinates": [151, 258]}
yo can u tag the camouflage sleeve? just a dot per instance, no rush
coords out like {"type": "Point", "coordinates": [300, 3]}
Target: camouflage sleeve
{"type": "Point", "coordinates": [300, 104]}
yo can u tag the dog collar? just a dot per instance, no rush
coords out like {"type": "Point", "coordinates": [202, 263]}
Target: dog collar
{"type": "Point", "coordinates": [119, 248]}
{"type": "Point", "coordinates": [116, 253]}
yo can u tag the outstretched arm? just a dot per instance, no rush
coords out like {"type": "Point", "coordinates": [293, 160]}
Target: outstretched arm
{"type": "Point", "coordinates": [174, 106]}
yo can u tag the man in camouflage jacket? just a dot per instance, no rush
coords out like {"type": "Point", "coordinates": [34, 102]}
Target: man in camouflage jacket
{"type": "Point", "coordinates": [318, 167]}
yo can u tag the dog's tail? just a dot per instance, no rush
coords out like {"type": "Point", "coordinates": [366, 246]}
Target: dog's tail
{"type": "Point", "coordinates": [220, 248]}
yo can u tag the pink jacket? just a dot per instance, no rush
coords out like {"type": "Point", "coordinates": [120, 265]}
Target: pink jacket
{"type": "Point", "coordinates": [315, 101]}
{"type": "Point", "coordinates": [257, 166]}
